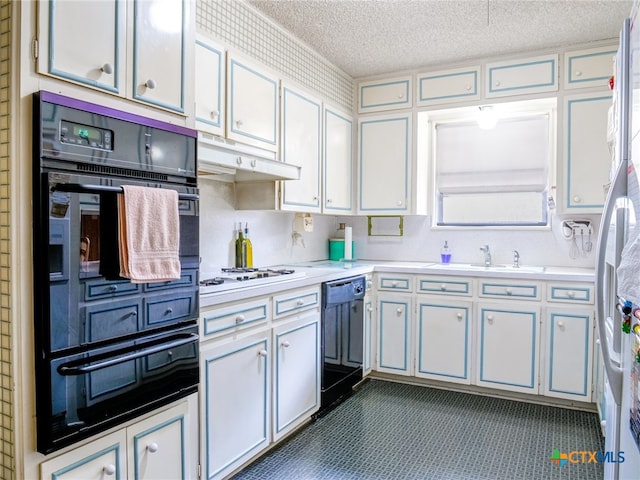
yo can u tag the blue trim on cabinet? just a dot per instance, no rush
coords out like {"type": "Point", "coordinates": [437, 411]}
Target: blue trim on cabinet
{"type": "Point", "coordinates": [464, 290]}
{"type": "Point", "coordinates": [137, 438]}
{"type": "Point", "coordinates": [208, 121]}
{"type": "Point", "coordinates": [570, 79]}
{"type": "Point", "coordinates": [114, 448]}
{"type": "Point", "coordinates": [471, 93]}
{"type": "Point", "coordinates": [585, 299]}
{"type": "Point", "coordinates": [207, 319]}
{"type": "Point", "coordinates": [406, 101]}
{"type": "Point", "coordinates": [534, 288]}
{"type": "Point", "coordinates": [404, 367]}
{"type": "Point", "coordinates": [549, 83]}
{"type": "Point", "coordinates": [405, 283]}
{"type": "Point", "coordinates": [296, 307]}
{"type": "Point", "coordinates": [328, 174]}
{"type": "Point", "coordinates": [587, 339]}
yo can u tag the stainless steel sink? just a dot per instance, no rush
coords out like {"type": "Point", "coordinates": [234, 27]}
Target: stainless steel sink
{"type": "Point", "coordinates": [497, 267]}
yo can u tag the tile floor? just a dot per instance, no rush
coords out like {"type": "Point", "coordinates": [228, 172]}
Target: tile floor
{"type": "Point", "coordinates": [396, 431]}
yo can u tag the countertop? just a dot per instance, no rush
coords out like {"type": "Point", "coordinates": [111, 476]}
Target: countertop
{"type": "Point", "coordinates": [326, 270]}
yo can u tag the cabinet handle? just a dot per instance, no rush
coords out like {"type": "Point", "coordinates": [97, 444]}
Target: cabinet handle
{"type": "Point", "coordinates": [168, 311]}
{"type": "Point", "coordinates": [253, 163]}
{"type": "Point", "coordinates": [238, 123]}
{"type": "Point", "coordinates": [286, 344]}
{"type": "Point", "coordinates": [571, 294]}
{"type": "Point", "coordinates": [399, 310]}
{"type": "Point", "coordinates": [369, 308]}
{"type": "Point", "coordinates": [561, 325]}
{"type": "Point", "coordinates": [152, 447]}
{"type": "Point", "coordinates": [107, 68]}
{"type": "Point", "coordinates": [262, 353]}
{"type": "Point", "coordinates": [394, 283]}
{"type": "Point", "coordinates": [315, 198]}
{"type": "Point", "coordinates": [578, 73]}
{"type": "Point", "coordinates": [113, 288]}
{"type": "Point", "coordinates": [240, 319]}
{"type": "Point", "coordinates": [215, 114]}
{"type": "Point", "coordinates": [329, 200]}
{"type": "Point", "coordinates": [239, 160]}
{"type": "Point", "coordinates": [400, 203]}
{"type": "Point", "coordinates": [443, 287]}
{"type": "Point", "coordinates": [401, 95]}
{"type": "Point", "coordinates": [133, 314]}
{"type": "Point", "coordinates": [369, 283]}
{"type": "Point", "coordinates": [577, 199]}
{"type": "Point", "coordinates": [490, 318]}
{"type": "Point", "coordinates": [598, 342]}
{"type": "Point", "coordinates": [150, 84]}
{"type": "Point", "coordinates": [109, 469]}
{"type": "Point", "coordinates": [300, 302]}
{"type": "Point", "coordinates": [467, 88]}
{"type": "Point", "coordinates": [509, 291]}
{"type": "Point", "coordinates": [459, 316]}
{"type": "Point", "coordinates": [497, 83]}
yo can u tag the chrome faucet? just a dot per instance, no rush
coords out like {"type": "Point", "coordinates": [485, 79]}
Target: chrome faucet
{"type": "Point", "coordinates": [487, 255]}
{"type": "Point", "coordinates": [516, 259]}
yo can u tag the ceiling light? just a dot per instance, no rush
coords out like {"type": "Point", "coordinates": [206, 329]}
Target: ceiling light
{"type": "Point", "coordinates": [487, 117]}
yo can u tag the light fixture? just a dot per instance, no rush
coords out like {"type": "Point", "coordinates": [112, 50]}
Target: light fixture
{"type": "Point", "coordinates": [487, 117]}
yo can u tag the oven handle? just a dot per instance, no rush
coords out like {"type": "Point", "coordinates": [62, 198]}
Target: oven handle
{"type": "Point", "coordinates": [80, 367]}
{"type": "Point", "coordinates": [81, 188]}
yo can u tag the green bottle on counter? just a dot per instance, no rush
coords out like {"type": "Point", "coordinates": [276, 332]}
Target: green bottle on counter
{"type": "Point", "coordinates": [241, 249]}
{"type": "Point", "coordinates": [248, 247]}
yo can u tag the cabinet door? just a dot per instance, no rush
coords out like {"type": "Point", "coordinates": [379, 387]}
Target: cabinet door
{"type": "Point", "coordinates": [449, 86]}
{"type": "Point", "coordinates": [252, 105]}
{"type": "Point", "coordinates": [209, 86]}
{"type": "Point", "coordinates": [389, 94]}
{"type": "Point", "coordinates": [338, 162]}
{"type": "Point", "coordinates": [385, 168]}
{"type": "Point", "coordinates": [444, 340]}
{"type": "Point", "coordinates": [589, 68]}
{"type": "Point", "coordinates": [586, 169]}
{"type": "Point", "coordinates": [83, 42]}
{"type": "Point", "coordinates": [524, 76]}
{"type": "Point", "coordinates": [301, 124]}
{"type": "Point", "coordinates": [394, 332]}
{"type": "Point", "coordinates": [103, 458]}
{"type": "Point", "coordinates": [157, 446]}
{"type": "Point", "coordinates": [508, 351]}
{"type": "Point", "coordinates": [159, 47]}
{"type": "Point", "coordinates": [296, 372]}
{"type": "Point", "coordinates": [569, 353]}
{"type": "Point", "coordinates": [235, 395]}
{"type": "Point", "coordinates": [368, 336]}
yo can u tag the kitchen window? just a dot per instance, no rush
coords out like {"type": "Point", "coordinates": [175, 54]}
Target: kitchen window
{"type": "Point", "coordinates": [492, 177]}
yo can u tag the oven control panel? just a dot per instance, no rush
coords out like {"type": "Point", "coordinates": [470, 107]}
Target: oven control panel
{"type": "Point", "coordinates": [85, 135]}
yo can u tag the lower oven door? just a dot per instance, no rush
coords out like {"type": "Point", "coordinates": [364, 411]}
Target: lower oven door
{"type": "Point", "coordinates": [101, 387]}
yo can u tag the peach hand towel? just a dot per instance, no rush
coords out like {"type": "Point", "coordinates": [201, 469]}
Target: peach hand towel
{"type": "Point", "coordinates": [149, 232]}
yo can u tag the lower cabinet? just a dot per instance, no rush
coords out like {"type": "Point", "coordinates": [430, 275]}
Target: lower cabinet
{"type": "Point", "coordinates": [235, 402]}
{"type": "Point", "coordinates": [394, 334]}
{"type": "Point", "coordinates": [369, 335]}
{"type": "Point", "coordinates": [509, 337]}
{"type": "Point", "coordinates": [160, 447]}
{"type": "Point", "coordinates": [444, 340]}
{"type": "Point", "coordinates": [568, 356]}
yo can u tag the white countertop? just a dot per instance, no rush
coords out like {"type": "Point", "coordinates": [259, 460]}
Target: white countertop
{"type": "Point", "coordinates": [313, 273]}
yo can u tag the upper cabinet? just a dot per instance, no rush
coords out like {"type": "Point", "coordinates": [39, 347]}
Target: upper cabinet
{"type": "Point", "coordinates": [301, 145]}
{"type": "Point", "coordinates": [338, 162]}
{"type": "Point", "coordinates": [209, 86]}
{"type": "Point", "coordinates": [448, 86]}
{"type": "Point", "coordinates": [523, 76]}
{"type": "Point", "coordinates": [388, 94]}
{"type": "Point", "coordinates": [134, 49]}
{"type": "Point", "coordinates": [252, 104]}
{"type": "Point", "coordinates": [589, 68]}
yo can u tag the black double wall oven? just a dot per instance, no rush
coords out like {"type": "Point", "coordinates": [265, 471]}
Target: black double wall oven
{"type": "Point", "coordinates": [107, 349]}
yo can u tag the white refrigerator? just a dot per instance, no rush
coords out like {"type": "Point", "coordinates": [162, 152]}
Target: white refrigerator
{"type": "Point", "coordinates": [618, 269]}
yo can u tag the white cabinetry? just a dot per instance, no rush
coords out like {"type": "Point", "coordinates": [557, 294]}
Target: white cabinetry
{"type": "Point", "coordinates": [449, 86]}
{"type": "Point", "coordinates": [338, 162]}
{"type": "Point", "coordinates": [444, 331]}
{"type": "Point", "coordinates": [394, 334]}
{"type": "Point", "coordinates": [369, 329]}
{"type": "Point", "coordinates": [102, 45]}
{"type": "Point", "coordinates": [385, 158]}
{"type": "Point", "coordinates": [235, 401]}
{"type": "Point", "coordinates": [158, 447]}
{"type": "Point", "coordinates": [585, 155]}
{"type": "Point", "coordinates": [301, 146]}
{"type": "Point", "coordinates": [522, 76]}
{"type": "Point", "coordinates": [569, 341]}
{"type": "Point", "coordinates": [589, 68]}
{"type": "Point", "coordinates": [209, 86]}
{"type": "Point", "coordinates": [388, 94]}
{"type": "Point", "coordinates": [252, 104]}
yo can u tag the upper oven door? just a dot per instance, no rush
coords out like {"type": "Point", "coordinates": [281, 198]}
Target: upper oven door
{"type": "Point", "coordinates": [83, 300]}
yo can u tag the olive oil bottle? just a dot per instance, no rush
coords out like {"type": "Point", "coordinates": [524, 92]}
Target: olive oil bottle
{"type": "Point", "coordinates": [248, 247]}
{"type": "Point", "coordinates": [241, 248]}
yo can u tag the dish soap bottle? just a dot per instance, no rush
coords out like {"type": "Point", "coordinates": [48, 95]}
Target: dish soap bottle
{"type": "Point", "coordinates": [249, 248]}
{"type": "Point", "coordinates": [445, 253]}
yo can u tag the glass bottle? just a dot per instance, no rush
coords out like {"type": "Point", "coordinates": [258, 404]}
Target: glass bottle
{"type": "Point", "coordinates": [248, 247]}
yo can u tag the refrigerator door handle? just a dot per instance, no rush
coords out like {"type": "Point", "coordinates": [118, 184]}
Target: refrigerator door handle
{"type": "Point", "coordinates": [613, 370]}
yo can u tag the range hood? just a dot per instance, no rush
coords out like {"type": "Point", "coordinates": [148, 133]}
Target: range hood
{"type": "Point", "coordinates": [239, 162]}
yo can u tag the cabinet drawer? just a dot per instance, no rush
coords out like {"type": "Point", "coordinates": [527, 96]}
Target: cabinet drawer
{"type": "Point", "coordinates": [498, 289]}
{"type": "Point", "coordinates": [295, 301]}
{"type": "Point", "coordinates": [188, 278]}
{"type": "Point", "coordinates": [95, 289]}
{"type": "Point", "coordinates": [589, 68]}
{"type": "Point", "coordinates": [518, 77]}
{"type": "Point", "coordinates": [384, 95]}
{"type": "Point", "coordinates": [170, 308]}
{"type": "Point", "coordinates": [232, 317]}
{"type": "Point", "coordinates": [570, 293]}
{"type": "Point", "coordinates": [449, 86]}
{"type": "Point", "coordinates": [394, 282]}
{"type": "Point", "coordinates": [445, 286]}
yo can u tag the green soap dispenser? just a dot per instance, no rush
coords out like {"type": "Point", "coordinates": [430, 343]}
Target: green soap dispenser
{"type": "Point", "coordinates": [445, 253]}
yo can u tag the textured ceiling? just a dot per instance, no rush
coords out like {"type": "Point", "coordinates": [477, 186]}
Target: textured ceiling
{"type": "Point", "coordinates": [371, 37]}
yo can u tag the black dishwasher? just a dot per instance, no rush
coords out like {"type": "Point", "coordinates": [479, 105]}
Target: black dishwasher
{"type": "Point", "coordinates": [342, 337]}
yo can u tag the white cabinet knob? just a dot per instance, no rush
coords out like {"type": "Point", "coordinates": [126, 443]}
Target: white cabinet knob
{"type": "Point", "coordinates": [509, 291]}
{"type": "Point", "coordinates": [467, 88]}
{"type": "Point", "coordinates": [561, 325]}
{"type": "Point", "coordinates": [497, 83]}
{"type": "Point", "coordinates": [150, 84]}
{"type": "Point", "coordinates": [571, 294]}
{"type": "Point", "coordinates": [400, 202]}
{"type": "Point", "coordinates": [459, 316]}
{"type": "Point", "coordinates": [598, 342]}
{"type": "Point", "coordinates": [443, 287]}
{"type": "Point", "coordinates": [240, 318]}
{"type": "Point", "coordinates": [168, 311]}
{"type": "Point", "coordinates": [369, 308]}
{"type": "Point", "coordinates": [577, 199]}
{"type": "Point", "coordinates": [107, 68]}
{"type": "Point", "coordinates": [300, 302]}
{"type": "Point", "coordinates": [394, 283]}
{"type": "Point", "coordinates": [401, 95]}
{"type": "Point", "coordinates": [286, 344]}
{"type": "Point", "coordinates": [578, 73]}
{"type": "Point", "coordinates": [152, 447]}
{"type": "Point", "coordinates": [262, 353]}
{"type": "Point", "coordinates": [399, 310]}
{"type": "Point", "coordinates": [215, 115]}
{"type": "Point", "coordinates": [109, 469]}
{"type": "Point", "coordinates": [490, 318]}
